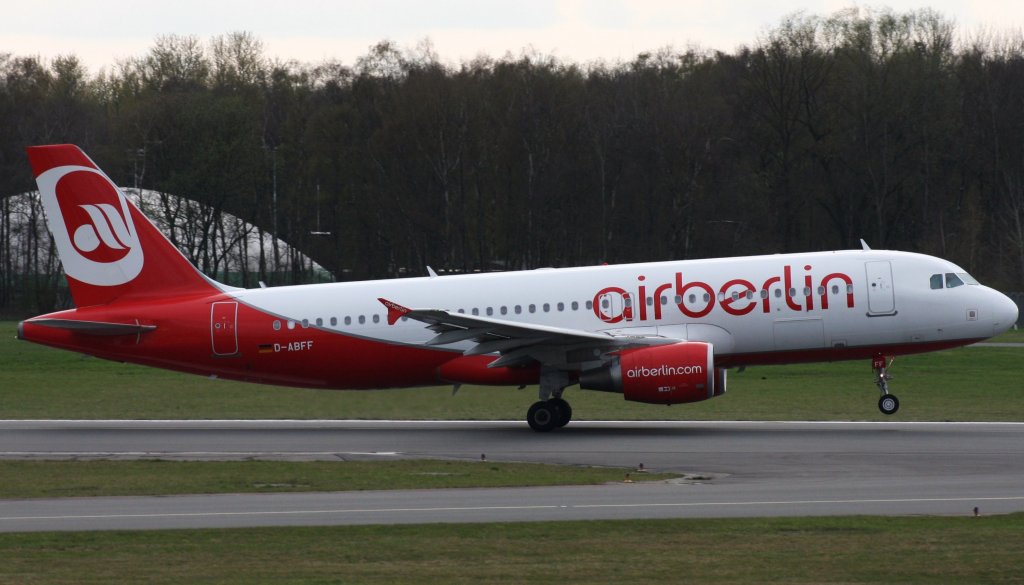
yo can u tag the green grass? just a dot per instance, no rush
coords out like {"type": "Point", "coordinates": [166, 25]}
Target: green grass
{"type": "Point", "coordinates": [1011, 336]}
{"type": "Point", "coordinates": [813, 550]}
{"type": "Point", "coordinates": [57, 479]}
{"type": "Point", "coordinates": [966, 384]}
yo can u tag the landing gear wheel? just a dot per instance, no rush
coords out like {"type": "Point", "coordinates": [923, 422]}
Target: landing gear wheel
{"type": "Point", "coordinates": [543, 416]}
{"type": "Point", "coordinates": [564, 411]}
{"type": "Point", "coordinates": [888, 404]}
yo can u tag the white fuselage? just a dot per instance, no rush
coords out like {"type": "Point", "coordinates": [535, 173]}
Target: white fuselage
{"type": "Point", "coordinates": [746, 306]}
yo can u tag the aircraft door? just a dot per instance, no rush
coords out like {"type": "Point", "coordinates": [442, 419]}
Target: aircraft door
{"type": "Point", "coordinates": [881, 296]}
{"type": "Point", "coordinates": [612, 307]}
{"type": "Point", "coordinates": [223, 328]}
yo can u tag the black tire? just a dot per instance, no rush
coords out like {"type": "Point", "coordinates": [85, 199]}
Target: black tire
{"type": "Point", "coordinates": [888, 404]}
{"type": "Point", "coordinates": [564, 411]}
{"type": "Point", "coordinates": [543, 417]}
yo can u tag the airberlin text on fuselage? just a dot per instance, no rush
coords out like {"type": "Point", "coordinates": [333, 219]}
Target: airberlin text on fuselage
{"type": "Point", "coordinates": [736, 297]}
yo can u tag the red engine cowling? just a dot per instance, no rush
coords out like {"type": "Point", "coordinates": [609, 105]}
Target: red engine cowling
{"type": "Point", "coordinates": [664, 374]}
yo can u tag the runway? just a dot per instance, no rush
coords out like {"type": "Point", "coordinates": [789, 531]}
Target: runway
{"type": "Point", "coordinates": [735, 469]}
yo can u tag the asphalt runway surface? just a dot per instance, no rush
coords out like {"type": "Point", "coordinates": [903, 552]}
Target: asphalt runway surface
{"type": "Point", "coordinates": [731, 469]}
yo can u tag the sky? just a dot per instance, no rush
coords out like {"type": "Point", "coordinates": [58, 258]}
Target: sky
{"type": "Point", "coordinates": [102, 32]}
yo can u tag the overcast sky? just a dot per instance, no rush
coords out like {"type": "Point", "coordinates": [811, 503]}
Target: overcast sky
{"type": "Point", "coordinates": [103, 31]}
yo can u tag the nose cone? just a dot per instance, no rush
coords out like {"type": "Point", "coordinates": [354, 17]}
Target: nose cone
{"type": "Point", "coordinates": [1004, 313]}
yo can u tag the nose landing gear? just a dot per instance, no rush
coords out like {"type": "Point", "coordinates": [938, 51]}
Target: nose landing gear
{"type": "Point", "coordinates": [888, 403]}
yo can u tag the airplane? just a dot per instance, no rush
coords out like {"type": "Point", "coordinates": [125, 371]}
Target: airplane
{"type": "Point", "coordinates": [658, 332]}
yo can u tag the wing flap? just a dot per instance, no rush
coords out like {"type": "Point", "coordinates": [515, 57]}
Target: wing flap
{"type": "Point", "coordinates": [520, 343]}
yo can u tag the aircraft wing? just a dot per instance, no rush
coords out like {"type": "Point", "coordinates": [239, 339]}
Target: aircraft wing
{"type": "Point", "coordinates": [519, 343]}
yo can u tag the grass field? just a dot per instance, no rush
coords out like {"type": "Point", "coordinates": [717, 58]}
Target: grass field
{"type": "Point", "coordinates": [974, 383]}
{"type": "Point", "coordinates": [58, 479]}
{"type": "Point", "coordinates": [806, 550]}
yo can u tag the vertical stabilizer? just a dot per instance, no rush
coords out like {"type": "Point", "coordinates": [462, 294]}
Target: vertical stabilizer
{"type": "Point", "coordinates": [109, 250]}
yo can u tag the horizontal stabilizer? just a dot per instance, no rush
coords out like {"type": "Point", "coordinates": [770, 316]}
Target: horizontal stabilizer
{"type": "Point", "coordinates": [94, 327]}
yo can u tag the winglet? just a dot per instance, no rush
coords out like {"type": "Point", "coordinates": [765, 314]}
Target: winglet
{"type": "Point", "coordinates": [864, 245]}
{"type": "Point", "coordinates": [395, 311]}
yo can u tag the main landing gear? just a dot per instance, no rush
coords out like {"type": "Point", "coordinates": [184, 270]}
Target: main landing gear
{"type": "Point", "coordinates": [888, 403]}
{"type": "Point", "coordinates": [551, 412]}
{"type": "Point", "coordinates": [548, 415]}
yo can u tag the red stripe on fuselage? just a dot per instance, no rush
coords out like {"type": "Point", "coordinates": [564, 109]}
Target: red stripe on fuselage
{"type": "Point", "coordinates": [835, 354]}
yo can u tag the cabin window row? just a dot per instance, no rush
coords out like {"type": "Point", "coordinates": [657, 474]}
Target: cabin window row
{"type": "Point", "coordinates": [319, 322]}
{"type": "Point", "coordinates": [749, 294]}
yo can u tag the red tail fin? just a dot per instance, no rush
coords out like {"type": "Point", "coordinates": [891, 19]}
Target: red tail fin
{"type": "Point", "coordinates": [109, 249]}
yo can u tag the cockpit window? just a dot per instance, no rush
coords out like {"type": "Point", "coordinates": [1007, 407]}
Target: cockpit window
{"type": "Point", "coordinates": [951, 280]}
{"type": "Point", "coordinates": [967, 278]}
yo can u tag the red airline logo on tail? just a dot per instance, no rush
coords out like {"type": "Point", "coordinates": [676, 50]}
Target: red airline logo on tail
{"type": "Point", "coordinates": [96, 239]}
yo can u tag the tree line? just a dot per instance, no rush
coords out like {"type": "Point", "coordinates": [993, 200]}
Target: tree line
{"type": "Point", "coordinates": [891, 127]}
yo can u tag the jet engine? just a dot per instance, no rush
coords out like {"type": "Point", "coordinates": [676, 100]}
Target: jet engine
{"type": "Point", "coordinates": [664, 374]}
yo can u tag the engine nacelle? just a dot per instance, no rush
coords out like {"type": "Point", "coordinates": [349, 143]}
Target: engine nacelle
{"type": "Point", "coordinates": [664, 374]}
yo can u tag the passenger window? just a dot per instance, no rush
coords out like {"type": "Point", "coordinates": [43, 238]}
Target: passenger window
{"type": "Point", "coordinates": [490, 311]}
{"type": "Point", "coordinates": [590, 305]}
{"type": "Point", "coordinates": [561, 307]}
{"type": "Point", "coordinates": [376, 318]}
{"type": "Point", "coordinates": [319, 322]}
{"type": "Point", "coordinates": [476, 311]}
{"type": "Point", "coordinates": [291, 324]}
{"type": "Point", "coordinates": [504, 310]}
{"type": "Point", "coordinates": [575, 306]}
{"type": "Point", "coordinates": [519, 309]}
{"type": "Point", "coordinates": [533, 308]}
{"type": "Point", "coordinates": [936, 281]}
{"type": "Point", "coordinates": [362, 319]}
{"type": "Point", "coordinates": [305, 323]}
{"type": "Point", "coordinates": [348, 320]}
{"type": "Point", "coordinates": [277, 325]}
{"type": "Point", "coordinates": [334, 321]}
{"type": "Point", "coordinates": [953, 281]}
